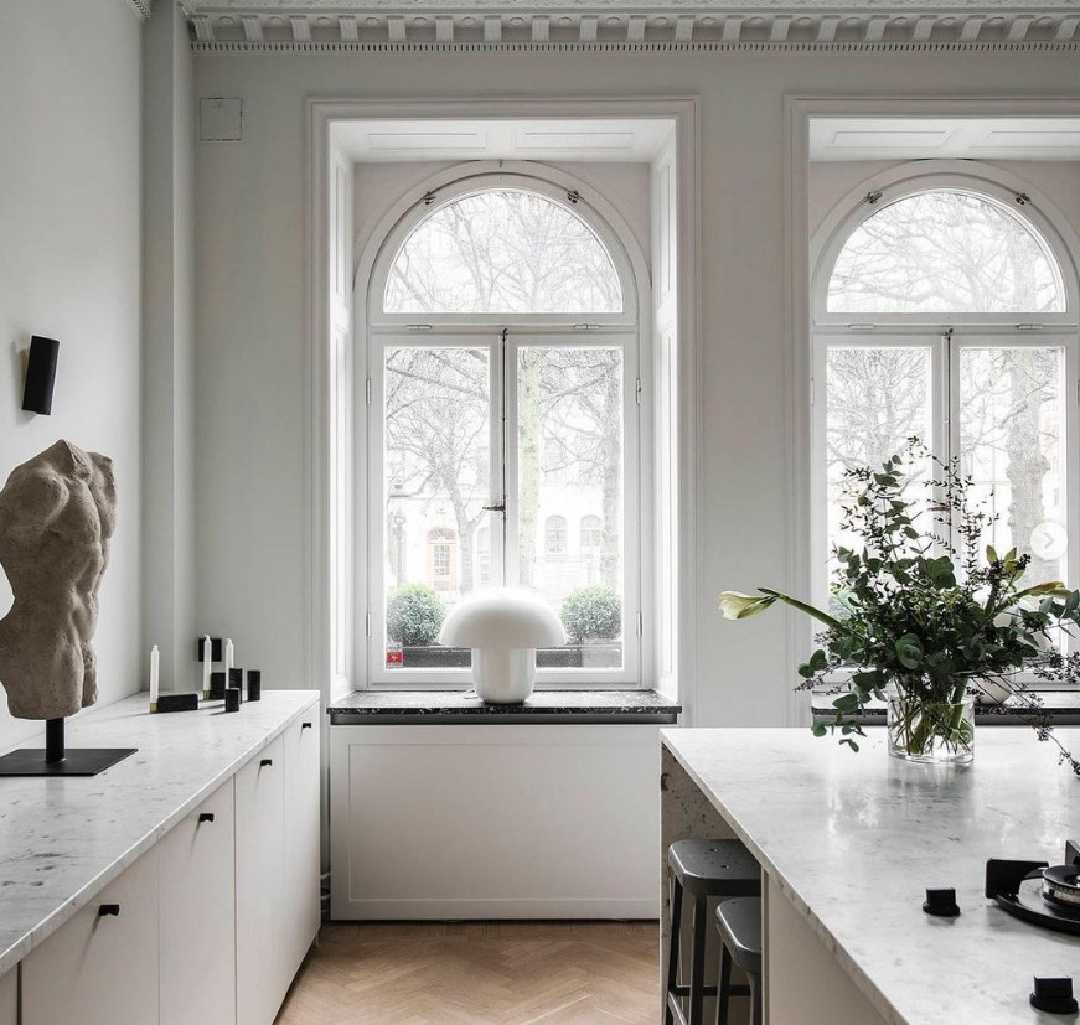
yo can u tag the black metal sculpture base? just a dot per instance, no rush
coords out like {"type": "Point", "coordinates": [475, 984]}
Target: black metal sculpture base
{"type": "Point", "coordinates": [55, 760]}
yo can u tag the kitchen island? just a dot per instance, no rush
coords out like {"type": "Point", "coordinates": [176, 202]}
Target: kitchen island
{"type": "Point", "coordinates": [849, 842]}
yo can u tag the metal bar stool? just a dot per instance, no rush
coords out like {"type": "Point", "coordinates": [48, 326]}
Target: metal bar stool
{"type": "Point", "coordinates": [739, 922]}
{"type": "Point", "coordinates": [704, 869]}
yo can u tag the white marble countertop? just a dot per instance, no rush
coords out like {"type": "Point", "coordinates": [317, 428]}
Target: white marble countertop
{"type": "Point", "coordinates": [63, 840]}
{"type": "Point", "coordinates": [855, 839]}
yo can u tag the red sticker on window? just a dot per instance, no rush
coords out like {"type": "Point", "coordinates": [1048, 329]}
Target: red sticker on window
{"type": "Point", "coordinates": [395, 656]}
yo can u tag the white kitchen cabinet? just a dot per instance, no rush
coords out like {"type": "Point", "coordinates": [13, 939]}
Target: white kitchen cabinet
{"type": "Point", "coordinates": [302, 847]}
{"type": "Point", "coordinates": [198, 937]}
{"type": "Point", "coordinates": [262, 951]}
{"type": "Point", "coordinates": [9, 998]}
{"type": "Point", "coordinates": [100, 967]}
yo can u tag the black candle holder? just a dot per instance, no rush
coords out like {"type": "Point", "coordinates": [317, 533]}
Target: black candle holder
{"type": "Point", "coordinates": [254, 684]}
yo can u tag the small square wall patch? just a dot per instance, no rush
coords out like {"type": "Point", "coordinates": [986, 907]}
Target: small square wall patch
{"type": "Point", "coordinates": [221, 119]}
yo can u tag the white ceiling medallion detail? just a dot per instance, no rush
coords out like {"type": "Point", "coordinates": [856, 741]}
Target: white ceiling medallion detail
{"type": "Point", "coordinates": [789, 29]}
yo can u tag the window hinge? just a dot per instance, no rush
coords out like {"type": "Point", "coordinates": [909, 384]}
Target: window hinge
{"type": "Point", "coordinates": [637, 391]}
{"type": "Point", "coordinates": [1030, 327]}
{"type": "Point", "coordinates": [1078, 391]}
{"type": "Point", "coordinates": [369, 624]}
{"type": "Point", "coordinates": [428, 198]}
{"type": "Point", "coordinates": [640, 624]}
{"type": "Point", "coordinates": [419, 327]}
{"type": "Point", "coordinates": [369, 391]}
{"type": "Point", "coordinates": [861, 327]}
{"type": "Point", "coordinates": [813, 395]}
{"type": "Point", "coordinates": [586, 327]}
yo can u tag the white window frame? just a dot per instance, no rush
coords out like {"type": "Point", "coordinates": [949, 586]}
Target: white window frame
{"type": "Point", "coordinates": [627, 329]}
{"type": "Point", "coordinates": [945, 334]}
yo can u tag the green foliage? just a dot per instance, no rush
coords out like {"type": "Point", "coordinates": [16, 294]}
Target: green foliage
{"type": "Point", "coordinates": [922, 604]}
{"type": "Point", "coordinates": [592, 613]}
{"type": "Point", "coordinates": [414, 615]}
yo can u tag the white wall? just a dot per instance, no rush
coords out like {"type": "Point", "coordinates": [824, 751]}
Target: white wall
{"type": "Point", "coordinates": [69, 269]}
{"type": "Point", "coordinates": [250, 317]}
{"type": "Point", "coordinates": [168, 279]}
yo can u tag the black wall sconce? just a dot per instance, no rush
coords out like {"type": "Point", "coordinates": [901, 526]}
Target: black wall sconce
{"type": "Point", "coordinates": [40, 375]}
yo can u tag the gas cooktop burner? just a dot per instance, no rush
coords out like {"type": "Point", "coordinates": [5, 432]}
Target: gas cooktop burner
{"type": "Point", "coordinates": [1037, 893]}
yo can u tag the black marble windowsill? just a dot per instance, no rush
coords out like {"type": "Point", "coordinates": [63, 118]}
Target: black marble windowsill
{"type": "Point", "coordinates": [579, 707]}
{"type": "Point", "coordinates": [1063, 707]}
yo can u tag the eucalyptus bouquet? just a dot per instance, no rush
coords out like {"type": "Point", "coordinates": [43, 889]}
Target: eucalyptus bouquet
{"type": "Point", "coordinates": [923, 613]}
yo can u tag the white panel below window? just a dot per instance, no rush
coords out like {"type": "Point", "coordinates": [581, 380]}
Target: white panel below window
{"type": "Point", "coordinates": [494, 821]}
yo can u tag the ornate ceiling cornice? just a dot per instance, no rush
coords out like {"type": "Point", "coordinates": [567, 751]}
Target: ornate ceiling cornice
{"type": "Point", "coordinates": [140, 7]}
{"type": "Point", "coordinates": [664, 29]}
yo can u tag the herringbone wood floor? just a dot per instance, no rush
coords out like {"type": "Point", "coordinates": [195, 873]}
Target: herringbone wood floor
{"type": "Point", "coordinates": [480, 973]}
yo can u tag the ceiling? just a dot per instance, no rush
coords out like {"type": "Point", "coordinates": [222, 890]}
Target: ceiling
{"type": "Point", "coordinates": [945, 138]}
{"type": "Point", "coordinates": [623, 140]}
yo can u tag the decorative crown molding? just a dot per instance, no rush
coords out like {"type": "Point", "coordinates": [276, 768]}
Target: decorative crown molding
{"type": "Point", "coordinates": [594, 30]}
{"type": "Point", "coordinates": [140, 7]}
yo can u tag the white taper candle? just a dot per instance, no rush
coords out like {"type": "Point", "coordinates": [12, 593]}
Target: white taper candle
{"type": "Point", "coordinates": [229, 656]}
{"type": "Point", "coordinates": [207, 666]}
{"type": "Point", "coordinates": [155, 677]}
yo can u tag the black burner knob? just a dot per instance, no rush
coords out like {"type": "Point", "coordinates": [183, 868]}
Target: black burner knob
{"type": "Point", "coordinates": [941, 903]}
{"type": "Point", "coordinates": [1054, 996]}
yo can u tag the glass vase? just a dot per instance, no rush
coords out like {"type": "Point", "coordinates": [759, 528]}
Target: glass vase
{"type": "Point", "coordinates": [938, 732]}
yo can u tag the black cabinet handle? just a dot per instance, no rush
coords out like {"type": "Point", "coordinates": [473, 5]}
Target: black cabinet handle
{"type": "Point", "coordinates": [266, 761]}
{"type": "Point", "coordinates": [305, 726]}
{"type": "Point", "coordinates": [206, 816]}
{"type": "Point", "coordinates": [105, 910]}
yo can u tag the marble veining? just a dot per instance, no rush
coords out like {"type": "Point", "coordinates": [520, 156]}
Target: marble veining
{"type": "Point", "coordinates": [855, 839]}
{"type": "Point", "coordinates": [63, 840]}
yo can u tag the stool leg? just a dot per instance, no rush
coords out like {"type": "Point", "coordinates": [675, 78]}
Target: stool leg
{"type": "Point", "coordinates": [673, 948]}
{"type": "Point", "coordinates": [723, 989]}
{"type": "Point", "coordinates": [756, 999]}
{"type": "Point", "coordinates": [697, 968]}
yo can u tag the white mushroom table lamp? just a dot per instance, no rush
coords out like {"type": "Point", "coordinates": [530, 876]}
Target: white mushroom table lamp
{"type": "Point", "coordinates": [504, 626]}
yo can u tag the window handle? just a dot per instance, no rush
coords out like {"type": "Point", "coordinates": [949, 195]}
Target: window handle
{"type": "Point", "coordinates": [206, 816]}
{"type": "Point", "coordinates": [106, 910]}
{"type": "Point", "coordinates": [499, 507]}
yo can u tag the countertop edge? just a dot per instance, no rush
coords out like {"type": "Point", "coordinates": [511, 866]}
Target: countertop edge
{"type": "Point", "coordinates": [15, 953]}
{"type": "Point", "coordinates": [668, 737]}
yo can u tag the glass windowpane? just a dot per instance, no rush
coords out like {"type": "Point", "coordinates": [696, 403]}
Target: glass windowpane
{"type": "Point", "coordinates": [1012, 438]}
{"type": "Point", "coordinates": [503, 251]}
{"type": "Point", "coordinates": [876, 399]}
{"type": "Point", "coordinates": [437, 468]}
{"type": "Point", "coordinates": [946, 251]}
{"type": "Point", "coordinates": [570, 437]}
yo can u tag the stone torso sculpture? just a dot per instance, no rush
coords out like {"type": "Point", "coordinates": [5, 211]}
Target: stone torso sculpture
{"type": "Point", "coordinates": [57, 513]}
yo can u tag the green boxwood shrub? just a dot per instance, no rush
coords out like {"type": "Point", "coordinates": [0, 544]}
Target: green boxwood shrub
{"type": "Point", "coordinates": [414, 615]}
{"type": "Point", "coordinates": [592, 613]}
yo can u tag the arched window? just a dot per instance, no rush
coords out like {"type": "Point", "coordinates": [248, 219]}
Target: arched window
{"type": "Point", "coordinates": [442, 553]}
{"type": "Point", "coordinates": [945, 310]}
{"type": "Point", "coordinates": [503, 250]}
{"type": "Point", "coordinates": [555, 537]}
{"type": "Point", "coordinates": [590, 534]}
{"type": "Point", "coordinates": [503, 350]}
